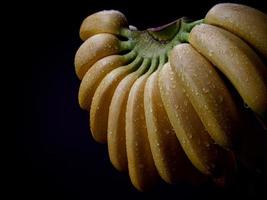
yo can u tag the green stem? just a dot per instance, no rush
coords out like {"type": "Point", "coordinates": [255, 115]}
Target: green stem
{"type": "Point", "coordinates": [157, 42]}
{"type": "Point", "coordinates": [135, 64]}
{"type": "Point", "coordinates": [184, 37]}
{"type": "Point", "coordinates": [162, 60]}
{"type": "Point", "coordinates": [125, 32]}
{"type": "Point", "coordinates": [154, 65]}
{"type": "Point", "coordinates": [130, 56]}
{"type": "Point", "coordinates": [127, 45]}
{"type": "Point", "coordinates": [191, 25]}
{"type": "Point", "coordinates": [146, 63]}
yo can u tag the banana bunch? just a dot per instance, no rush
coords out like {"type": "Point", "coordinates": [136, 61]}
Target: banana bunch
{"type": "Point", "coordinates": [160, 98]}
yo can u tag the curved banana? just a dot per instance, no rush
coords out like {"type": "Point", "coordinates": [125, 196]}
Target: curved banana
{"type": "Point", "coordinates": [96, 73]}
{"type": "Point", "coordinates": [95, 48]}
{"type": "Point", "coordinates": [174, 120]}
{"type": "Point", "coordinates": [207, 93]}
{"type": "Point", "coordinates": [142, 170]}
{"type": "Point", "coordinates": [192, 135]}
{"type": "Point", "coordinates": [107, 21]}
{"type": "Point", "coordinates": [246, 22]}
{"type": "Point", "coordinates": [170, 159]}
{"type": "Point", "coordinates": [116, 119]}
{"type": "Point", "coordinates": [102, 98]}
{"type": "Point", "coordinates": [236, 60]}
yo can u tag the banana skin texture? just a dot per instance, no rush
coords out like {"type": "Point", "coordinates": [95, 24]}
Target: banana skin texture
{"type": "Point", "coordinates": [207, 93]}
{"type": "Point", "coordinates": [245, 22]}
{"type": "Point", "coordinates": [106, 21]}
{"type": "Point", "coordinates": [236, 60]}
{"type": "Point", "coordinates": [94, 76]}
{"type": "Point", "coordinates": [142, 170]}
{"type": "Point", "coordinates": [191, 133]}
{"type": "Point", "coordinates": [102, 99]}
{"type": "Point", "coordinates": [116, 119]}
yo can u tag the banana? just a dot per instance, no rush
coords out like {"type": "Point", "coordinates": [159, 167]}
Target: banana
{"type": "Point", "coordinates": [192, 135]}
{"type": "Point", "coordinates": [142, 170]}
{"type": "Point", "coordinates": [246, 22]}
{"type": "Point", "coordinates": [170, 159]}
{"type": "Point", "coordinates": [238, 62]}
{"type": "Point", "coordinates": [116, 119]}
{"type": "Point", "coordinates": [207, 93]}
{"type": "Point", "coordinates": [107, 21]}
{"type": "Point", "coordinates": [102, 98]}
{"type": "Point", "coordinates": [96, 73]}
{"type": "Point", "coordinates": [95, 48]}
{"type": "Point", "coordinates": [177, 121]}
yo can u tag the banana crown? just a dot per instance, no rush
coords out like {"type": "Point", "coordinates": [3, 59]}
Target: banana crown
{"type": "Point", "coordinates": [164, 99]}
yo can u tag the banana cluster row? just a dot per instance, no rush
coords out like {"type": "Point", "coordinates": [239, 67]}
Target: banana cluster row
{"type": "Point", "coordinates": [172, 115]}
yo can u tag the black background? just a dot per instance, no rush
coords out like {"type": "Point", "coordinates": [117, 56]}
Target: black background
{"type": "Point", "coordinates": [55, 156]}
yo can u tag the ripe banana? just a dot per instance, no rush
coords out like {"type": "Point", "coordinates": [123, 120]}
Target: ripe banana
{"type": "Point", "coordinates": [116, 119]}
{"type": "Point", "coordinates": [95, 48]}
{"type": "Point", "coordinates": [175, 120]}
{"type": "Point", "coordinates": [107, 21]}
{"type": "Point", "coordinates": [170, 159]}
{"type": "Point", "coordinates": [246, 22]}
{"type": "Point", "coordinates": [102, 98]}
{"type": "Point", "coordinates": [236, 60]}
{"type": "Point", "coordinates": [192, 135]}
{"type": "Point", "coordinates": [142, 170]}
{"type": "Point", "coordinates": [207, 93]}
{"type": "Point", "coordinates": [96, 73]}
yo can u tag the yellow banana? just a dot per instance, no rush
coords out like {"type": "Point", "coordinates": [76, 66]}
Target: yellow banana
{"type": "Point", "coordinates": [107, 21]}
{"type": "Point", "coordinates": [207, 93]}
{"type": "Point", "coordinates": [102, 98]}
{"type": "Point", "coordinates": [96, 73]}
{"type": "Point", "coordinates": [95, 48]}
{"type": "Point", "coordinates": [178, 120]}
{"type": "Point", "coordinates": [192, 135]}
{"type": "Point", "coordinates": [246, 22]}
{"type": "Point", "coordinates": [142, 170]}
{"type": "Point", "coordinates": [116, 119]}
{"type": "Point", "coordinates": [170, 159]}
{"type": "Point", "coordinates": [236, 60]}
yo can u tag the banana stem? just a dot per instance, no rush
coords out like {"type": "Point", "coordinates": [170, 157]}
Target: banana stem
{"type": "Point", "coordinates": [127, 45]}
{"type": "Point", "coordinates": [154, 65]}
{"type": "Point", "coordinates": [191, 25]}
{"type": "Point", "coordinates": [184, 37]}
{"type": "Point", "coordinates": [130, 56]}
{"type": "Point", "coordinates": [185, 29]}
{"type": "Point", "coordinates": [135, 64]}
{"type": "Point", "coordinates": [157, 42]}
{"type": "Point", "coordinates": [162, 60]}
{"type": "Point", "coordinates": [146, 63]}
{"type": "Point", "coordinates": [125, 32]}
